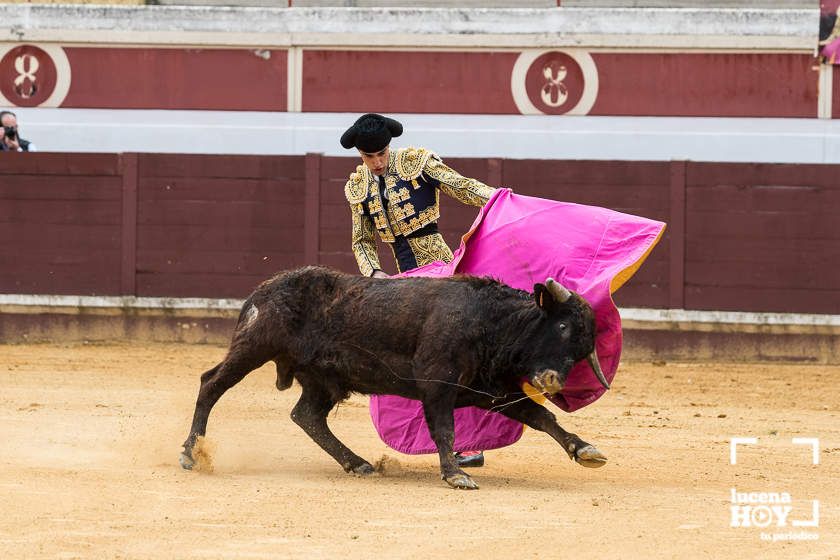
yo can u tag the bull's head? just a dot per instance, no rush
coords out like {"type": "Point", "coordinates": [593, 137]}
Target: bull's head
{"type": "Point", "coordinates": [568, 338]}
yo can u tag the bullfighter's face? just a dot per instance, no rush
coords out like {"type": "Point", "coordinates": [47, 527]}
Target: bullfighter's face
{"type": "Point", "coordinates": [377, 162]}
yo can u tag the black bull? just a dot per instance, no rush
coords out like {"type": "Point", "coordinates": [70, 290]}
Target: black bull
{"type": "Point", "coordinates": [450, 342]}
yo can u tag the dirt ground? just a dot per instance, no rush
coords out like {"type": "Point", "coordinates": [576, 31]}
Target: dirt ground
{"type": "Point", "coordinates": [91, 436]}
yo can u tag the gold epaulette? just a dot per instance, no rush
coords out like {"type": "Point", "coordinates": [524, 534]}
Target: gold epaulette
{"type": "Point", "coordinates": [356, 188]}
{"type": "Point", "coordinates": [411, 161]}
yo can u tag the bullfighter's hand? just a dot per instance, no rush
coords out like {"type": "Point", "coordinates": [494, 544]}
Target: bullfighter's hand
{"type": "Point", "coordinates": [379, 274]}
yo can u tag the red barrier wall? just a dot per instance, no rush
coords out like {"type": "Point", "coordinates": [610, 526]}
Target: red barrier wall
{"type": "Point", "coordinates": [741, 237]}
{"type": "Point", "coordinates": [619, 82]}
{"type": "Point", "coordinates": [708, 84]}
{"type": "Point", "coordinates": [762, 236]}
{"type": "Point", "coordinates": [169, 78]}
{"type": "Point", "coordinates": [60, 224]}
{"type": "Point", "coordinates": [216, 226]}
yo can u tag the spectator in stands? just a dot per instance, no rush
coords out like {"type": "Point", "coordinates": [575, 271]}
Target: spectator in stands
{"type": "Point", "coordinates": [12, 142]}
{"type": "Point", "coordinates": [395, 193]}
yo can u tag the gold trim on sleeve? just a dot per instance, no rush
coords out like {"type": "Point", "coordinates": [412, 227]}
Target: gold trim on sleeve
{"type": "Point", "coordinates": [363, 244]}
{"type": "Point", "coordinates": [466, 190]}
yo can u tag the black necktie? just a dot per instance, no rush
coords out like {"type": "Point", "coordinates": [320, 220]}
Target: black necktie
{"type": "Point", "coordinates": [382, 192]}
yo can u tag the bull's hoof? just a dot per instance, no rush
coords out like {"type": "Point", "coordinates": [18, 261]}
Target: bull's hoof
{"type": "Point", "coordinates": [363, 470]}
{"type": "Point", "coordinates": [461, 482]}
{"type": "Point", "coordinates": [589, 456]}
{"type": "Point", "coordinates": [186, 461]}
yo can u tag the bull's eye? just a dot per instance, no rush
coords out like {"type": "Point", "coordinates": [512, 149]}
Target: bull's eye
{"type": "Point", "coordinates": [562, 326]}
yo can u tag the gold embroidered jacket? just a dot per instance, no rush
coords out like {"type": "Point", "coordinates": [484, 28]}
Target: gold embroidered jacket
{"type": "Point", "coordinates": [413, 183]}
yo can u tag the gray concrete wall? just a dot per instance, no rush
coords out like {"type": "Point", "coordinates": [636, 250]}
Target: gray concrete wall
{"type": "Point", "coordinates": [406, 27]}
{"type": "Point", "coordinates": [768, 4]}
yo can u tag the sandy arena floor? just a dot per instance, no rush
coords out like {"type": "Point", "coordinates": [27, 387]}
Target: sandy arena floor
{"type": "Point", "coordinates": [91, 436]}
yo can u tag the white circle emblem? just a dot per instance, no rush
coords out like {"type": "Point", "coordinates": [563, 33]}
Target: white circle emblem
{"type": "Point", "coordinates": [554, 92]}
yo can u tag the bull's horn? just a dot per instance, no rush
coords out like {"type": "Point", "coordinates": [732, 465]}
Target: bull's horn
{"type": "Point", "coordinates": [557, 290]}
{"type": "Point", "coordinates": [596, 367]}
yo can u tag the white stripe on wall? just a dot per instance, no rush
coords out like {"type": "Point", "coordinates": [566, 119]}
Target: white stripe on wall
{"type": "Point", "coordinates": [826, 93]}
{"type": "Point", "coordinates": [770, 140]}
{"type": "Point", "coordinates": [205, 304]}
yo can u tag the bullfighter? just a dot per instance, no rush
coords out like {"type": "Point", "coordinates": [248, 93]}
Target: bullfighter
{"type": "Point", "coordinates": [397, 193]}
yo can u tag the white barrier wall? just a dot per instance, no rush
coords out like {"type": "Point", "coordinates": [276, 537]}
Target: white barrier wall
{"type": "Point", "coordinates": [512, 136]}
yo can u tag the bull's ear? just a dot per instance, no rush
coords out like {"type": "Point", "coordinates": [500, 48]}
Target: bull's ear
{"type": "Point", "coordinates": [543, 297]}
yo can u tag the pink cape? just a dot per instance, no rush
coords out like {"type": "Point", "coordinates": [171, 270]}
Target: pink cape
{"type": "Point", "coordinates": [522, 240]}
{"type": "Point", "coordinates": [830, 51]}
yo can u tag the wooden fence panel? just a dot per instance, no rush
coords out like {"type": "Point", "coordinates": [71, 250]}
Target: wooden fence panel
{"type": "Point", "coordinates": [216, 226]}
{"type": "Point", "coordinates": [743, 237]}
{"type": "Point", "coordinates": [761, 237]}
{"type": "Point", "coordinates": [60, 223]}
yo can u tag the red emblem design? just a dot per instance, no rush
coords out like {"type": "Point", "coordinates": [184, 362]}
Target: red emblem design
{"type": "Point", "coordinates": [28, 76]}
{"type": "Point", "coordinates": [554, 83]}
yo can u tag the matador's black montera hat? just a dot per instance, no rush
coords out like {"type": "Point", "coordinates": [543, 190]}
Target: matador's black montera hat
{"type": "Point", "coordinates": [371, 133]}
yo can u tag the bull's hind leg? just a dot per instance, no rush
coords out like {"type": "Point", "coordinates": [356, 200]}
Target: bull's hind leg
{"type": "Point", "coordinates": [310, 413]}
{"type": "Point", "coordinates": [240, 361]}
{"type": "Point", "coordinates": [539, 418]}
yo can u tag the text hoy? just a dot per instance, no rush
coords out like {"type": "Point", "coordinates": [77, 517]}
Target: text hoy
{"type": "Point", "coordinates": [761, 509]}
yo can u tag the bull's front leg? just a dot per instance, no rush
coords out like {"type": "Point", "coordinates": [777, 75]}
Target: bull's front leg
{"type": "Point", "coordinates": [538, 417]}
{"type": "Point", "coordinates": [439, 412]}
